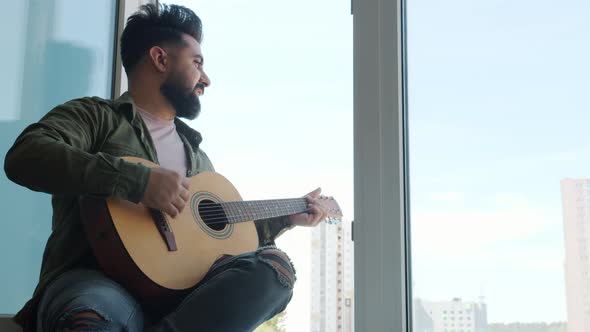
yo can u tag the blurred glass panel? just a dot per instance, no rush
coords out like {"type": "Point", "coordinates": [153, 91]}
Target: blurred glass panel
{"type": "Point", "coordinates": [58, 50]}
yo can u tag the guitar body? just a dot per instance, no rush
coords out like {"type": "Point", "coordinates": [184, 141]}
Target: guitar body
{"type": "Point", "coordinates": [132, 250]}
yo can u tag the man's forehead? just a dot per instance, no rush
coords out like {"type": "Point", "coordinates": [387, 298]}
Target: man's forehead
{"type": "Point", "coordinates": [192, 44]}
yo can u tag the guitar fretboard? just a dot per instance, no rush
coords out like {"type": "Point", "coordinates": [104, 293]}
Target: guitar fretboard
{"type": "Point", "coordinates": [254, 210]}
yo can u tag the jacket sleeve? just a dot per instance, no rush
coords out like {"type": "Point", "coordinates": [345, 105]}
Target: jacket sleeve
{"type": "Point", "coordinates": [272, 228]}
{"type": "Point", "coordinates": [59, 155]}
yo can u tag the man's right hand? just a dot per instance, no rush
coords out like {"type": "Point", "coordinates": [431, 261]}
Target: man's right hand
{"type": "Point", "coordinates": [167, 191]}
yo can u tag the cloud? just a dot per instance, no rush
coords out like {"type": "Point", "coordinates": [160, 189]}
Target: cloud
{"type": "Point", "coordinates": [462, 233]}
{"type": "Point", "coordinates": [511, 199]}
{"type": "Point", "coordinates": [446, 196]}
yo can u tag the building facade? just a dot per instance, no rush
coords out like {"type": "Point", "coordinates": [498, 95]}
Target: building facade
{"type": "Point", "coordinates": [575, 195]}
{"type": "Point", "coordinates": [332, 303]}
{"type": "Point", "coordinates": [454, 316]}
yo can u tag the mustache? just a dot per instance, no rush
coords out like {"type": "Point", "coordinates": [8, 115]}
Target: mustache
{"type": "Point", "coordinates": [200, 86]}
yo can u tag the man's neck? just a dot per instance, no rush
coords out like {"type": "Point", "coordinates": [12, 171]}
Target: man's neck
{"type": "Point", "coordinates": [153, 103]}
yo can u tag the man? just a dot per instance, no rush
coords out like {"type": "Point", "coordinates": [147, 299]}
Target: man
{"type": "Point", "coordinates": [75, 150]}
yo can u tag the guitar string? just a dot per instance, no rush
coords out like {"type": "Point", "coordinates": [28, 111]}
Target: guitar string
{"type": "Point", "coordinates": [227, 209]}
{"type": "Point", "coordinates": [259, 202]}
{"type": "Point", "coordinates": [280, 204]}
{"type": "Point", "coordinates": [223, 220]}
{"type": "Point", "coordinates": [222, 215]}
{"type": "Point", "coordinates": [249, 203]}
{"type": "Point", "coordinates": [245, 206]}
{"type": "Point", "coordinates": [256, 204]}
{"type": "Point", "coordinates": [233, 219]}
{"type": "Point", "coordinates": [224, 212]}
{"type": "Point", "coordinates": [226, 221]}
{"type": "Point", "coordinates": [221, 211]}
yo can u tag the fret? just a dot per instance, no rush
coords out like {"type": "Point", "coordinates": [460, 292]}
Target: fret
{"type": "Point", "coordinates": [262, 213]}
{"type": "Point", "coordinates": [287, 208]}
{"type": "Point", "coordinates": [235, 213]}
{"type": "Point", "coordinates": [250, 213]}
{"type": "Point", "coordinates": [229, 213]}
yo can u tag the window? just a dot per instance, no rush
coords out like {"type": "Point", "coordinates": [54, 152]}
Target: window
{"type": "Point", "coordinates": [57, 52]}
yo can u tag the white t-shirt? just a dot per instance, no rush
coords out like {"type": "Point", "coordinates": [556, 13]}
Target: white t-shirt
{"type": "Point", "coordinates": [169, 147]}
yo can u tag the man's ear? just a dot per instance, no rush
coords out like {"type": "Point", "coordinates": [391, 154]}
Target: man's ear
{"type": "Point", "coordinates": [159, 58]}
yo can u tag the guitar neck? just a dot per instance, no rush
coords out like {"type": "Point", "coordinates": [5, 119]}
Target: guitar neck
{"type": "Point", "coordinates": [241, 211]}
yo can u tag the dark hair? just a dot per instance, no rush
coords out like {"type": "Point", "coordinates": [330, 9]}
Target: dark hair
{"type": "Point", "coordinates": [156, 25]}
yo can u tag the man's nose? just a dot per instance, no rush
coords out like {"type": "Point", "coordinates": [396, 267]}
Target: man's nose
{"type": "Point", "coordinates": [205, 79]}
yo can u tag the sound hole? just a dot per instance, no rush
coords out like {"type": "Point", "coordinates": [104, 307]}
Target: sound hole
{"type": "Point", "coordinates": [212, 214]}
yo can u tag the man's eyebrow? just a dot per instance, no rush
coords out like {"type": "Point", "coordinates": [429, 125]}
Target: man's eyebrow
{"type": "Point", "coordinates": [198, 56]}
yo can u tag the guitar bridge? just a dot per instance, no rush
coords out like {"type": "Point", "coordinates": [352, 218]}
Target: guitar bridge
{"type": "Point", "coordinates": [164, 228]}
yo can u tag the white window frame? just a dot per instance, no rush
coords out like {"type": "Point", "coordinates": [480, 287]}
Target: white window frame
{"type": "Point", "coordinates": [381, 232]}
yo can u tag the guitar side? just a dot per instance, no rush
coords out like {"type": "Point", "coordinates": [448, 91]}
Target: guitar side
{"type": "Point", "coordinates": [110, 251]}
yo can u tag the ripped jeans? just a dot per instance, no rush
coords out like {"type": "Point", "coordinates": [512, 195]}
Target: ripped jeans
{"type": "Point", "coordinates": [237, 294]}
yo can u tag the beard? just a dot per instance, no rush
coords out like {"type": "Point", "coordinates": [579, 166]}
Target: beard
{"type": "Point", "coordinates": [185, 101]}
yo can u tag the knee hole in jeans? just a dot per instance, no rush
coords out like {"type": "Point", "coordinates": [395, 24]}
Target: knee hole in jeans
{"type": "Point", "coordinates": [84, 320]}
{"type": "Point", "coordinates": [280, 263]}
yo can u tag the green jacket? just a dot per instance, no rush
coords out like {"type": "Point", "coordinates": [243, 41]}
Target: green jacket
{"type": "Point", "coordinates": [74, 150]}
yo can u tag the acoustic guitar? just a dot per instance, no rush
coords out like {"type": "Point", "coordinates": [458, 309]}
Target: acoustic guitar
{"type": "Point", "coordinates": [155, 255]}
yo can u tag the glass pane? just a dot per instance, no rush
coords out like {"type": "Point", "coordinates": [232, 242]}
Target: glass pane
{"type": "Point", "coordinates": [57, 52]}
{"type": "Point", "coordinates": [498, 111]}
{"type": "Point", "coordinates": [277, 122]}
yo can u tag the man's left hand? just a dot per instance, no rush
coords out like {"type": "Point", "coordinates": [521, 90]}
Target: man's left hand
{"type": "Point", "coordinates": [315, 214]}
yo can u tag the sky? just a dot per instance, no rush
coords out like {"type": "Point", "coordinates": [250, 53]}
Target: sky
{"type": "Point", "coordinates": [497, 110]}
